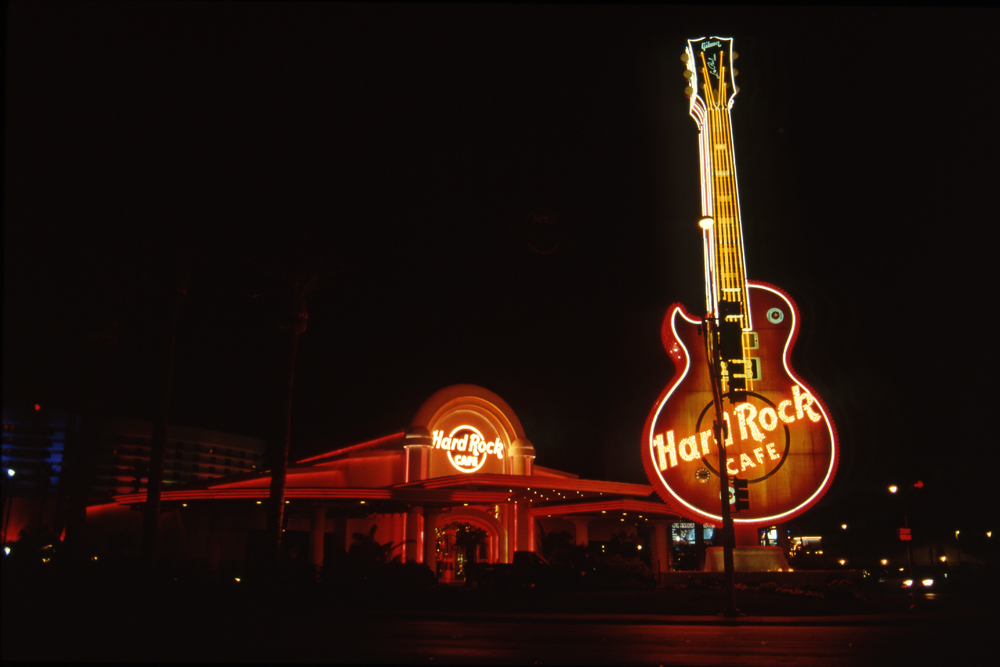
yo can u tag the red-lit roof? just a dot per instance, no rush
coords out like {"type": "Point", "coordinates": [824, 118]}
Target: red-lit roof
{"type": "Point", "coordinates": [394, 441]}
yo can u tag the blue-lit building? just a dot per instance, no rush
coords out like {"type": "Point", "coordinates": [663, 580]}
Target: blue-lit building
{"type": "Point", "coordinates": [35, 442]}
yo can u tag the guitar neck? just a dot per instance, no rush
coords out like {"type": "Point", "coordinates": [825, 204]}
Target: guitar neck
{"type": "Point", "coordinates": [725, 277]}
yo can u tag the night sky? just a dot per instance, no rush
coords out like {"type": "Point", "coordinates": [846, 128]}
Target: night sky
{"type": "Point", "coordinates": [402, 150]}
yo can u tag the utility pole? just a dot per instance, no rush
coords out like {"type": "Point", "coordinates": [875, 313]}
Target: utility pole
{"type": "Point", "coordinates": [719, 429]}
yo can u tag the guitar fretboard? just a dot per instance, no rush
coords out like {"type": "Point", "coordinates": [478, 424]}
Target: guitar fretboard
{"type": "Point", "coordinates": [722, 196]}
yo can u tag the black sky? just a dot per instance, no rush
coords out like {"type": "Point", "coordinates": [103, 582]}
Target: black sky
{"type": "Point", "coordinates": [402, 147]}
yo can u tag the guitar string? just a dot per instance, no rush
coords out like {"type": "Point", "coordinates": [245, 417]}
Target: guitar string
{"type": "Point", "coordinates": [736, 240]}
{"type": "Point", "coordinates": [727, 206]}
{"type": "Point", "coordinates": [721, 190]}
{"type": "Point", "coordinates": [722, 259]}
{"type": "Point", "coordinates": [722, 232]}
{"type": "Point", "coordinates": [737, 251]}
{"type": "Point", "coordinates": [713, 168]}
{"type": "Point", "coordinates": [741, 260]}
{"type": "Point", "coordinates": [725, 195]}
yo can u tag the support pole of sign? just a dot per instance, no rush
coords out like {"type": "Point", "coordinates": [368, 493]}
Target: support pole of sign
{"type": "Point", "coordinates": [719, 430]}
{"type": "Point", "coordinates": [909, 557]}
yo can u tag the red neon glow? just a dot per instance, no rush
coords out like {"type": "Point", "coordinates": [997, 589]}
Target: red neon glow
{"type": "Point", "coordinates": [37, 407]}
{"type": "Point", "coordinates": [473, 449]}
{"type": "Point", "coordinates": [786, 436]}
{"type": "Point", "coordinates": [378, 443]}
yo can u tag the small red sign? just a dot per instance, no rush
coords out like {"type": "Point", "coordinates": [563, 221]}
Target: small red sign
{"type": "Point", "coordinates": [904, 534]}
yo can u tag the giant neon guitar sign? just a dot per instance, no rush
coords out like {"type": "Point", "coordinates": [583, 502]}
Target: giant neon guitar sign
{"type": "Point", "coordinates": [780, 437]}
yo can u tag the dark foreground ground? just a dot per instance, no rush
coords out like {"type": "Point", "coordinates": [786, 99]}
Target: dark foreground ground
{"type": "Point", "coordinates": [90, 615]}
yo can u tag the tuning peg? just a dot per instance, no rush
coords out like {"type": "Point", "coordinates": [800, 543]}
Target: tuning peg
{"type": "Point", "coordinates": [735, 55]}
{"type": "Point", "coordinates": [735, 71]}
{"type": "Point", "coordinates": [684, 57]}
{"type": "Point", "coordinates": [737, 89]}
{"type": "Point", "coordinates": [689, 91]}
{"type": "Point", "coordinates": [687, 74]}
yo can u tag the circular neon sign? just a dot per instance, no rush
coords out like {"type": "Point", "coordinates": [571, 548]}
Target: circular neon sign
{"type": "Point", "coordinates": [467, 449]}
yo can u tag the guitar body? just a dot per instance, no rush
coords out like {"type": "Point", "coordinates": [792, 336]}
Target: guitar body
{"type": "Point", "coordinates": [781, 439]}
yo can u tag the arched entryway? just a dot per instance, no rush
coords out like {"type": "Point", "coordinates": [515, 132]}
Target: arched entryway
{"type": "Point", "coordinates": [495, 537]}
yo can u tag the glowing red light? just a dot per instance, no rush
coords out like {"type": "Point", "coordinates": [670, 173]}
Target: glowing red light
{"type": "Point", "coordinates": [37, 407]}
{"type": "Point", "coordinates": [919, 484]}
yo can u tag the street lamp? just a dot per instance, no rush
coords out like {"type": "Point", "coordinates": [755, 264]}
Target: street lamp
{"type": "Point", "coordinates": [909, 558]}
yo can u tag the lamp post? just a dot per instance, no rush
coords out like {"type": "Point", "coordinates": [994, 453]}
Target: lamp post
{"type": "Point", "coordinates": [958, 547]}
{"type": "Point", "coordinates": [8, 497]}
{"type": "Point", "coordinates": [712, 327]}
{"type": "Point", "coordinates": [909, 557]}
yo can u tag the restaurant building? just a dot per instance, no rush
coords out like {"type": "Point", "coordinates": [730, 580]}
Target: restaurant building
{"type": "Point", "coordinates": [464, 459]}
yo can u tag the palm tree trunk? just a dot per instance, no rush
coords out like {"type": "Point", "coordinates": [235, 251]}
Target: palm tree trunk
{"type": "Point", "coordinates": [77, 472]}
{"type": "Point", "coordinates": [158, 446]}
{"type": "Point", "coordinates": [279, 454]}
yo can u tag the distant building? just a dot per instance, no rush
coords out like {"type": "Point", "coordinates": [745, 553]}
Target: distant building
{"type": "Point", "coordinates": [193, 455]}
{"type": "Point", "coordinates": [35, 442]}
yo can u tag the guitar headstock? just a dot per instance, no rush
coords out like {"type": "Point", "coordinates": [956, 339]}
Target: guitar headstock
{"type": "Point", "coordinates": [710, 72]}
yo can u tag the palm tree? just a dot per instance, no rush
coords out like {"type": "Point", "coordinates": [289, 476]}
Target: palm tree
{"type": "Point", "coordinates": [468, 538]}
{"type": "Point", "coordinates": [294, 324]}
{"type": "Point", "coordinates": [366, 549]}
{"type": "Point", "coordinates": [78, 465]}
{"type": "Point", "coordinates": [158, 445]}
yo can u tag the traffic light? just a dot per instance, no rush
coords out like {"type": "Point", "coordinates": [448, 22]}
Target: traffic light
{"type": "Point", "coordinates": [736, 368]}
{"type": "Point", "coordinates": [731, 340]}
{"type": "Point", "coordinates": [742, 494]}
{"type": "Point", "coordinates": [730, 332]}
{"type": "Point", "coordinates": [737, 385]}
{"type": "Point", "coordinates": [727, 308]}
